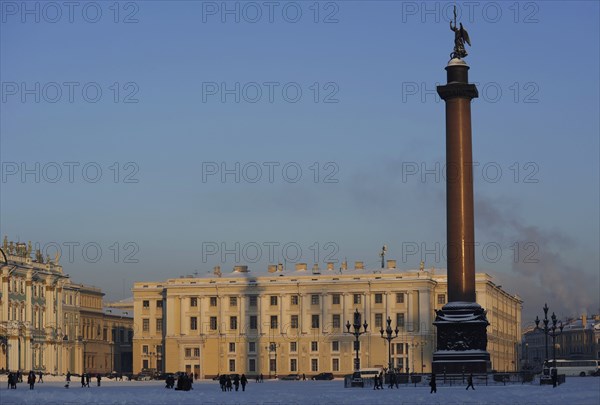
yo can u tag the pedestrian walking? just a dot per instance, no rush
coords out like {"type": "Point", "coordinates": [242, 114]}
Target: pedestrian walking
{"type": "Point", "coordinates": [243, 381]}
{"type": "Point", "coordinates": [41, 378]}
{"type": "Point", "coordinates": [432, 384]}
{"type": "Point", "coordinates": [303, 377]}
{"type": "Point", "coordinates": [392, 376]}
{"type": "Point", "coordinates": [68, 376]}
{"type": "Point", "coordinates": [236, 382]}
{"type": "Point", "coordinates": [98, 378]}
{"type": "Point", "coordinates": [82, 380]}
{"type": "Point", "coordinates": [88, 377]}
{"type": "Point", "coordinates": [261, 377]}
{"type": "Point", "coordinates": [228, 384]}
{"type": "Point", "coordinates": [10, 380]}
{"type": "Point", "coordinates": [470, 382]}
{"type": "Point", "coordinates": [554, 378]}
{"type": "Point", "coordinates": [19, 377]}
{"type": "Point", "coordinates": [31, 379]}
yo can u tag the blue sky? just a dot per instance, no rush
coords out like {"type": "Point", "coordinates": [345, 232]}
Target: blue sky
{"type": "Point", "coordinates": [535, 137]}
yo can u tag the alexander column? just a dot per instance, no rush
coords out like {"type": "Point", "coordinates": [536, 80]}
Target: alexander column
{"type": "Point", "coordinates": [461, 323]}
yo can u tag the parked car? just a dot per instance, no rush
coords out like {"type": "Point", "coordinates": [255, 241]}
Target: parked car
{"type": "Point", "coordinates": [143, 377]}
{"type": "Point", "coordinates": [323, 376]}
{"type": "Point", "coordinates": [290, 377]}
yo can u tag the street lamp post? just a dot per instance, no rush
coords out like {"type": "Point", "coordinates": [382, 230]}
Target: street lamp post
{"type": "Point", "coordinates": [272, 348]}
{"type": "Point", "coordinates": [554, 333]}
{"type": "Point", "coordinates": [83, 341]}
{"type": "Point", "coordinates": [357, 332]}
{"type": "Point", "coordinates": [389, 337]}
{"type": "Point", "coordinates": [554, 330]}
{"type": "Point", "coordinates": [545, 329]}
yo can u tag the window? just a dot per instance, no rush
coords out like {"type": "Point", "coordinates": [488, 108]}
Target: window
{"type": "Point", "coordinates": [399, 348]}
{"type": "Point", "coordinates": [336, 321]}
{"type": "Point", "coordinates": [146, 325]}
{"type": "Point", "coordinates": [399, 298]}
{"type": "Point", "coordinates": [193, 323]}
{"type": "Point", "coordinates": [294, 300]}
{"type": "Point", "coordinates": [314, 346]}
{"type": "Point", "coordinates": [145, 349]}
{"type": "Point", "coordinates": [293, 347]}
{"type": "Point", "coordinates": [253, 322]}
{"type": "Point", "coordinates": [273, 321]}
{"type": "Point", "coordinates": [356, 298]}
{"type": "Point", "coordinates": [335, 346]}
{"type": "Point", "coordinates": [231, 347]}
{"type": "Point", "coordinates": [335, 364]}
{"type": "Point", "coordinates": [213, 323]}
{"type": "Point", "coordinates": [145, 364]}
{"type": "Point", "coordinates": [293, 365]}
{"type": "Point", "coordinates": [314, 364]}
{"type": "Point", "coordinates": [335, 299]}
{"type": "Point", "coordinates": [273, 300]}
{"type": "Point", "coordinates": [193, 302]}
{"type": "Point", "coordinates": [213, 301]}
{"type": "Point", "coordinates": [188, 352]}
{"type": "Point", "coordinates": [196, 352]}
{"type": "Point", "coordinates": [441, 298]}
{"type": "Point", "coordinates": [233, 301]}
{"type": "Point", "coordinates": [252, 364]}
{"type": "Point", "coordinates": [294, 322]}
{"type": "Point", "coordinates": [233, 323]}
{"type": "Point", "coordinates": [314, 299]}
{"type": "Point", "coordinates": [378, 320]}
{"type": "Point", "coordinates": [253, 300]}
{"type": "Point", "coordinates": [400, 320]}
{"type": "Point", "coordinates": [232, 365]}
{"type": "Point", "coordinates": [251, 347]}
{"type": "Point", "coordinates": [315, 321]}
{"type": "Point", "coordinates": [159, 349]}
{"type": "Point", "coordinates": [378, 298]}
{"type": "Point", "coordinates": [146, 304]}
{"type": "Point", "coordinates": [159, 324]}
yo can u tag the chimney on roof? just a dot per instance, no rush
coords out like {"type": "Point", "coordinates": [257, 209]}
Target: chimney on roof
{"type": "Point", "coordinates": [391, 264]}
{"type": "Point", "coordinates": [301, 266]}
{"type": "Point", "coordinates": [329, 265]}
{"type": "Point", "coordinates": [359, 266]}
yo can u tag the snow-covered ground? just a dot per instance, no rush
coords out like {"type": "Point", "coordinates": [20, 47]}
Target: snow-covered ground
{"type": "Point", "coordinates": [576, 391]}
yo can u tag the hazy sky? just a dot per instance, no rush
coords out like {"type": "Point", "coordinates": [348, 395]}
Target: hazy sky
{"type": "Point", "coordinates": [155, 139]}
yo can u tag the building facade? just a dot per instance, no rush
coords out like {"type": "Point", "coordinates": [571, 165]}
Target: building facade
{"type": "Point", "coordinates": [50, 324]}
{"type": "Point", "coordinates": [294, 322]}
{"type": "Point", "coordinates": [580, 340]}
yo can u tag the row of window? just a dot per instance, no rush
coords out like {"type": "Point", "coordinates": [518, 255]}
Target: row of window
{"type": "Point", "coordinates": [315, 299]}
{"type": "Point", "coordinates": [273, 324]}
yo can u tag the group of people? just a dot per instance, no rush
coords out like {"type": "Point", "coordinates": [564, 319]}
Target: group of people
{"type": "Point", "coordinates": [378, 380]}
{"type": "Point", "coordinates": [184, 382]}
{"type": "Point", "coordinates": [227, 382]}
{"type": "Point", "coordinates": [14, 378]}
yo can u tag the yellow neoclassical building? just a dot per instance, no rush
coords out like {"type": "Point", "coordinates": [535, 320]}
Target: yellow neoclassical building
{"type": "Point", "coordinates": [50, 324]}
{"type": "Point", "coordinates": [294, 321]}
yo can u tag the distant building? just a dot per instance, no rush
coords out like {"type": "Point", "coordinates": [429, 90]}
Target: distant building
{"type": "Point", "coordinates": [580, 340]}
{"type": "Point", "coordinates": [294, 322]}
{"type": "Point", "coordinates": [50, 324]}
